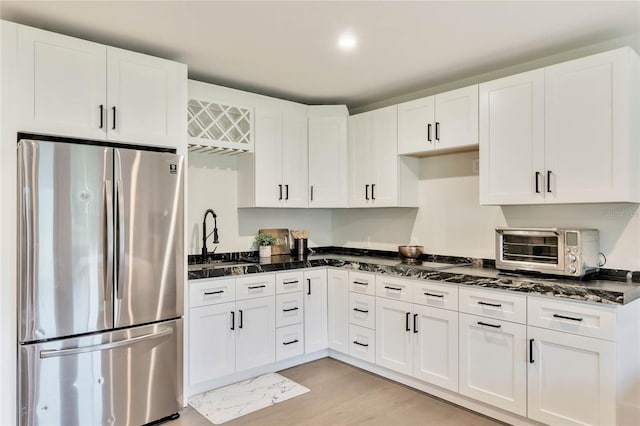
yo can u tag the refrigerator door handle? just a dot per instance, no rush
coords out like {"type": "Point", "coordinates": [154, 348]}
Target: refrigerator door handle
{"type": "Point", "coordinates": [104, 346]}
{"type": "Point", "coordinates": [120, 232]}
{"type": "Point", "coordinates": [108, 252]}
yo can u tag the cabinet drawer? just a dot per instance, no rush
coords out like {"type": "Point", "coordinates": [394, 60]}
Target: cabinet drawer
{"type": "Point", "coordinates": [362, 282]}
{"type": "Point", "coordinates": [494, 304]}
{"type": "Point", "coordinates": [289, 341]}
{"type": "Point", "coordinates": [362, 343]}
{"type": "Point", "coordinates": [394, 288]}
{"type": "Point", "coordinates": [432, 294]}
{"type": "Point", "coordinates": [252, 286]}
{"type": "Point", "coordinates": [362, 310]}
{"type": "Point", "coordinates": [288, 282]}
{"type": "Point", "coordinates": [202, 293]}
{"type": "Point", "coordinates": [289, 309]}
{"type": "Point", "coordinates": [591, 321]}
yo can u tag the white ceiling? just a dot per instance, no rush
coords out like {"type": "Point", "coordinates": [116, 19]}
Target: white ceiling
{"type": "Point", "coordinates": [288, 49]}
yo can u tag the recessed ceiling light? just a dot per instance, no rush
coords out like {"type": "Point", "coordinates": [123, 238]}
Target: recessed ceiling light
{"type": "Point", "coordinates": [347, 42]}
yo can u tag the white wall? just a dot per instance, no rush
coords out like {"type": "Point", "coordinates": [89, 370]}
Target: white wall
{"type": "Point", "coordinates": [450, 220]}
{"type": "Point", "coordinates": [213, 184]}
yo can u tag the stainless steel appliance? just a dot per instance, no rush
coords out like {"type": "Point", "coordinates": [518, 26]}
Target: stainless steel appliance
{"type": "Point", "coordinates": [100, 284]}
{"type": "Point", "coordinates": [572, 252]}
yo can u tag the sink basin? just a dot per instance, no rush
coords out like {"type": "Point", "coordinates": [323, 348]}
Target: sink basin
{"type": "Point", "coordinates": [219, 264]}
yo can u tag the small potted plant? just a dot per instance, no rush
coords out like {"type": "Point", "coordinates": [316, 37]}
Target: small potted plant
{"type": "Point", "coordinates": [265, 241]}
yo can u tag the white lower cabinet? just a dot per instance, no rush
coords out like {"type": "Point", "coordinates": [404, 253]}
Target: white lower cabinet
{"type": "Point", "coordinates": [338, 310]}
{"type": "Point", "coordinates": [255, 340]}
{"type": "Point", "coordinates": [362, 343]}
{"type": "Point", "coordinates": [315, 310]}
{"type": "Point", "coordinates": [492, 362]}
{"type": "Point", "coordinates": [394, 342]}
{"type": "Point", "coordinates": [289, 341]}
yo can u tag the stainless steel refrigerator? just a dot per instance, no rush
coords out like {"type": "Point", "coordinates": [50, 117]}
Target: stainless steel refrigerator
{"type": "Point", "coordinates": [100, 274]}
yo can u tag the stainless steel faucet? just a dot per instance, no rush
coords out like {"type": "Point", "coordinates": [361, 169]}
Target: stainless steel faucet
{"type": "Point", "coordinates": [204, 233]}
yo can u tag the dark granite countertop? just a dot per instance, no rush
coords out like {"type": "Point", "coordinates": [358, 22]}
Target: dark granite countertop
{"type": "Point", "coordinates": [457, 271]}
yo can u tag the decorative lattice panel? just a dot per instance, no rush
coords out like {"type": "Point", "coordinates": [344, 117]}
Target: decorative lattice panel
{"type": "Point", "coordinates": [218, 128]}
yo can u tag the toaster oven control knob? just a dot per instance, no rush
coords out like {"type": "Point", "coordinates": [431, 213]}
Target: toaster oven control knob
{"type": "Point", "coordinates": [572, 258]}
{"type": "Point", "coordinates": [572, 269]}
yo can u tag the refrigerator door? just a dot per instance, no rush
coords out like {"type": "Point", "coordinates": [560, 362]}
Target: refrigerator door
{"type": "Point", "coordinates": [65, 243]}
{"type": "Point", "coordinates": [124, 377]}
{"type": "Point", "coordinates": [149, 261]}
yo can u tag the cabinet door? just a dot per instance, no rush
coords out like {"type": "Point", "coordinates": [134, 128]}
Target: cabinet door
{"type": "Point", "coordinates": [384, 191]}
{"type": "Point", "coordinates": [256, 332]}
{"type": "Point", "coordinates": [212, 345]}
{"type": "Point", "coordinates": [294, 160]}
{"type": "Point", "coordinates": [587, 113]}
{"type": "Point", "coordinates": [512, 139]}
{"type": "Point", "coordinates": [457, 118]}
{"type": "Point", "coordinates": [146, 99]}
{"type": "Point", "coordinates": [315, 310]}
{"type": "Point", "coordinates": [435, 348]}
{"type": "Point", "coordinates": [328, 161]}
{"type": "Point", "coordinates": [394, 342]}
{"type": "Point", "coordinates": [62, 83]}
{"type": "Point", "coordinates": [492, 362]}
{"type": "Point", "coordinates": [571, 379]}
{"type": "Point", "coordinates": [360, 158]}
{"type": "Point", "coordinates": [416, 126]}
{"type": "Point", "coordinates": [269, 191]}
{"type": "Point", "coordinates": [338, 310]}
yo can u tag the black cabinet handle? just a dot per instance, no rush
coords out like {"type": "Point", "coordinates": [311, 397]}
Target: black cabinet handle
{"type": "Point", "coordinates": [290, 282]}
{"type": "Point", "coordinates": [311, 192]}
{"type": "Point", "coordinates": [537, 182]}
{"type": "Point", "coordinates": [309, 283]}
{"type": "Point", "coordinates": [286, 187]}
{"type": "Point", "coordinates": [208, 293]}
{"type": "Point", "coordinates": [360, 310]}
{"type": "Point", "coordinates": [366, 192]}
{"type": "Point", "coordinates": [290, 309]}
{"type": "Point", "coordinates": [434, 295]}
{"type": "Point", "coordinates": [233, 320]}
{"type": "Point", "coordinates": [429, 132]}
{"type": "Point", "coordinates": [280, 189]}
{"type": "Point", "coordinates": [361, 344]}
{"type": "Point", "coordinates": [373, 194]}
{"type": "Point", "coordinates": [253, 287]}
{"type": "Point", "coordinates": [530, 351]}
{"type": "Point", "coordinates": [568, 318]}
{"type": "Point", "coordinates": [114, 118]}
{"type": "Point", "coordinates": [241, 318]}
{"type": "Point", "coordinates": [393, 288]}
{"type": "Point", "coordinates": [406, 325]}
{"type": "Point", "coordinates": [495, 305]}
{"type": "Point", "coordinates": [415, 323]}
{"type": "Point", "coordinates": [290, 343]}
{"type": "Point", "coordinates": [548, 180]}
{"type": "Point", "coordinates": [101, 116]}
{"type": "Point", "coordinates": [360, 283]}
{"type": "Point", "coordinates": [437, 131]}
{"type": "Point", "coordinates": [489, 325]}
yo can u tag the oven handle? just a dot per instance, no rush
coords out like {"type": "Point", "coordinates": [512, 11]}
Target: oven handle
{"type": "Point", "coordinates": [535, 232]}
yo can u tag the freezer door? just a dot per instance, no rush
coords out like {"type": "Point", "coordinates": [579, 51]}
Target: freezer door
{"type": "Point", "coordinates": [125, 377]}
{"type": "Point", "coordinates": [149, 244]}
{"type": "Point", "coordinates": [65, 243]}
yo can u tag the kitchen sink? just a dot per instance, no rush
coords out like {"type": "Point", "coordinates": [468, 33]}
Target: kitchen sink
{"type": "Point", "coordinates": [216, 264]}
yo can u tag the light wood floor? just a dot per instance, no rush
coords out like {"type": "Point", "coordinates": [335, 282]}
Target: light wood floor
{"type": "Point", "coordinates": [345, 395]}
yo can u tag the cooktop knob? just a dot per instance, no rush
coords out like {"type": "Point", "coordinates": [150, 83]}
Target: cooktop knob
{"type": "Point", "coordinates": [572, 269]}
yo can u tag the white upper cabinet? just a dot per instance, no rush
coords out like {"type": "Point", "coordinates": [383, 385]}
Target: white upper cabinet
{"type": "Point", "coordinates": [72, 87]}
{"type": "Point", "coordinates": [442, 122]}
{"type": "Point", "coordinates": [378, 177]}
{"type": "Point", "coordinates": [563, 134]}
{"type": "Point", "coordinates": [328, 156]}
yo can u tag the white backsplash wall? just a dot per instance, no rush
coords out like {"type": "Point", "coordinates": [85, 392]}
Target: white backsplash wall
{"type": "Point", "coordinates": [212, 182]}
{"type": "Point", "coordinates": [450, 220]}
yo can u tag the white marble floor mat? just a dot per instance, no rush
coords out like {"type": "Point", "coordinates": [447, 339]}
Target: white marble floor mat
{"type": "Point", "coordinates": [238, 399]}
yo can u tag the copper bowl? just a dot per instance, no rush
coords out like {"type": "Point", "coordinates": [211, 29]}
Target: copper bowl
{"type": "Point", "coordinates": [412, 252]}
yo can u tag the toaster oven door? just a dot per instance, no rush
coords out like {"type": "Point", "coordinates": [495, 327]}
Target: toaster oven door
{"type": "Point", "coordinates": [539, 250]}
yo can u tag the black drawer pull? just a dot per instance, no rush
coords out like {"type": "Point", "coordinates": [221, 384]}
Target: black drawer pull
{"type": "Point", "coordinates": [290, 309]}
{"type": "Point", "coordinates": [567, 318]}
{"type": "Point", "coordinates": [495, 305]}
{"type": "Point", "coordinates": [253, 287]}
{"type": "Point", "coordinates": [489, 325]}
{"type": "Point", "coordinates": [361, 310]}
{"type": "Point", "coordinates": [360, 283]}
{"type": "Point", "coordinates": [290, 282]}
{"type": "Point", "coordinates": [393, 288]}
{"type": "Point", "coordinates": [530, 351]}
{"type": "Point", "coordinates": [209, 293]}
{"type": "Point", "coordinates": [290, 343]}
{"type": "Point", "coordinates": [361, 344]}
{"type": "Point", "coordinates": [434, 295]}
